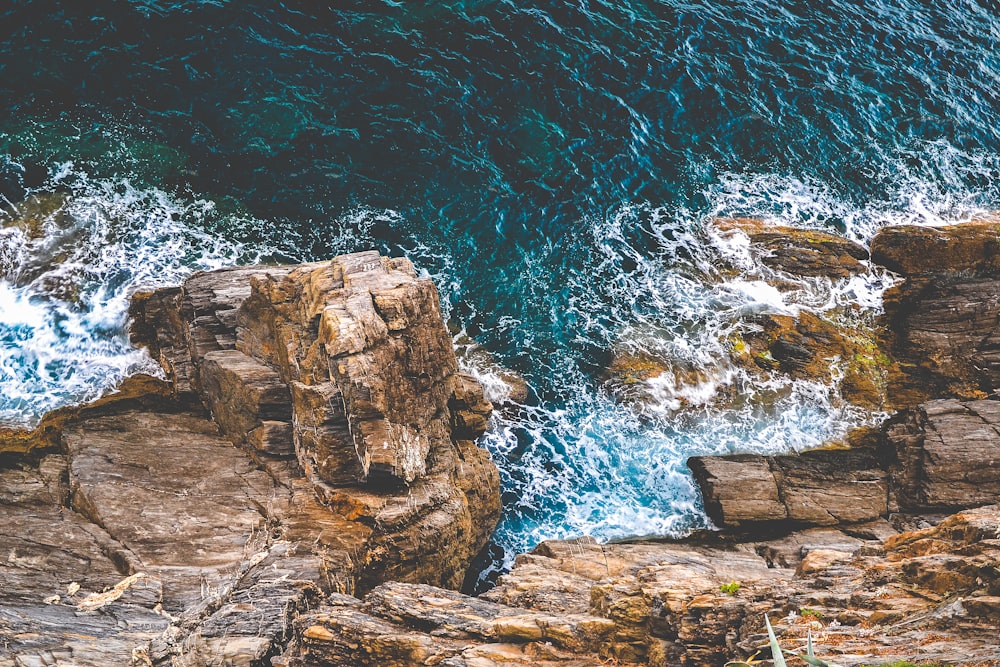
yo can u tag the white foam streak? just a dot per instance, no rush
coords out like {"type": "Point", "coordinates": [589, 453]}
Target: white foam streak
{"type": "Point", "coordinates": [65, 293]}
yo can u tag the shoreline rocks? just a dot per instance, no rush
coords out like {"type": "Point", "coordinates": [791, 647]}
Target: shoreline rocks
{"type": "Point", "coordinates": [305, 490]}
{"type": "Point", "coordinates": [315, 438]}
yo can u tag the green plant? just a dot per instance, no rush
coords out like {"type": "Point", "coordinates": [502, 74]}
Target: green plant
{"type": "Point", "coordinates": [810, 657]}
{"type": "Point", "coordinates": [776, 656]}
{"type": "Point", "coordinates": [731, 588]}
{"type": "Point", "coordinates": [806, 612]}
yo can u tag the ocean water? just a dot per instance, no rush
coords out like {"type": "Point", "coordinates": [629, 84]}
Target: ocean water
{"type": "Point", "coordinates": [552, 165]}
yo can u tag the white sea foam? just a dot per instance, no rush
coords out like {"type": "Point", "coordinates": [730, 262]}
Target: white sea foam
{"type": "Point", "coordinates": [667, 290]}
{"type": "Point", "coordinates": [65, 291]}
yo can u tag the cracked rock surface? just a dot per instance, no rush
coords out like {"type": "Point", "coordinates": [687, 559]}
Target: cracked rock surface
{"type": "Point", "coordinates": [173, 523]}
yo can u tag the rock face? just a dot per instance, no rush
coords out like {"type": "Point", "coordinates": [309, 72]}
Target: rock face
{"type": "Point", "coordinates": [945, 454]}
{"type": "Point", "coordinates": [943, 319]}
{"type": "Point", "coordinates": [821, 488]}
{"type": "Point", "coordinates": [339, 455]}
{"type": "Point", "coordinates": [942, 455]}
{"type": "Point", "coordinates": [910, 596]}
{"type": "Point", "coordinates": [306, 491]}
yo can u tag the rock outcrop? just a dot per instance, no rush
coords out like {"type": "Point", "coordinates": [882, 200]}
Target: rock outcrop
{"type": "Point", "coordinates": [305, 490]}
{"type": "Point", "coordinates": [339, 455]}
{"type": "Point", "coordinates": [806, 253]}
{"type": "Point", "coordinates": [943, 320]}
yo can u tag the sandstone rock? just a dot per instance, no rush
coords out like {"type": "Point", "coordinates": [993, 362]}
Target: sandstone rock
{"type": "Point", "coordinates": [946, 454]}
{"type": "Point", "coordinates": [808, 347]}
{"type": "Point", "coordinates": [248, 401]}
{"type": "Point", "coordinates": [404, 625]}
{"type": "Point", "coordinates": [738, 489]}
{"type": "Point", "coordinates": [179, 325]}
{"type": "Point", "coordinates": [135, 474]}
{"type": "Point", "coordinates": [505, 388]}
{"type": "Point", "coordinates": [942, 321]}
{"type": "Point", "coordinates": [358, 348]}
{"type": "Point", "coordinates": [820, 487]}
{"type": "Point", "coordinates": [800, 252]}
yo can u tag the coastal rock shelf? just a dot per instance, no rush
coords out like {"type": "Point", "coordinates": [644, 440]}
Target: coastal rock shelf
{"type": "Point", "coordinates": [305, 490]}
{"type": "Point", "coordinates": [315, 437]}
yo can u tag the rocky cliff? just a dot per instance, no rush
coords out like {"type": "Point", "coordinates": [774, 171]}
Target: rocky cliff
{"type": "Point", "coordinates": [305, 490]}
{"type": "Point", "coordinates": [315, 437]}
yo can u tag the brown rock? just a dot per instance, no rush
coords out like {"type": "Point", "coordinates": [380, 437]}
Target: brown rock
{"type": "Point", "coordinates": [738, 489]}
{"type": "Point", "coordinates": [248, 401]}
{"type": "Point", "coordinates": [942, 321]}
{"type": "Point", "coordinates": [821, 487]}
{"type": "Point", "coordinates": [972, 249]}
{"type": "Point", "coordinates": [800, 252]}
{"type": "Point", "coordinates": [356, 322]}
{"type": "Point", "coordinates": [136, 473]}
{"type": "Point", "coordinates": [147, 500]}
{"type": "Point", "coordinates": [946, 454]}
{"type": "Point", "coordinates": [669, 608]}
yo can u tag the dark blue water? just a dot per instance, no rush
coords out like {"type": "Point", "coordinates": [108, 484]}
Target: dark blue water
{"type": "Point", "coordinates": [551, 164]}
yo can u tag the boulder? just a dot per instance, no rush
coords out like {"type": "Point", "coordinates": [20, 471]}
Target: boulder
{"type": "Point", "coordinates": [972, 249]}
{"type": "Point", "coordinates": [819, 487]}
{"type": "Point", "coordinates": [367, 334]}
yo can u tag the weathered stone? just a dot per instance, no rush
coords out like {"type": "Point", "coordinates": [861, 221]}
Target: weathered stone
{"type": "Point", "coordinates": [738, 489]}
{"type": "Point", "coordinates": [971, 248]}
{"type": "Point", "coordinates": [243, 395]}
{"type": "Point", "coordinates": [179, 325]}
{"type": "Point", "coordinates": [946, 454]}
{"type": "Point", "coordinates": [470, 411]}
{"type": "Point", "coordinates": [943, 321]}
{"type": "Point", "coordinates": [800, 252]}
{"type": "Point", "coordinates": [702, 603]}
{"type": "Point", "coordinates": [821, 487]}
{"type": "Point", "coordinates": [137, 473]}
{"type": "Point", "coordinates": [357, 322]}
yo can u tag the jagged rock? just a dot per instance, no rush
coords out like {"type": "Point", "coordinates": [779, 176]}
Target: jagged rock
{"type": "Point", "coordinates": [180, 325]}
{"type": "Point", "coordinates": [942, 321]}
{"type": "Point", "coordinates": [147, 498]}
{"type": "Point", "coordinates": [137, 474]}
{"type": "Point", "coordinates": [400, 624]}
{"type": "Point", "coordinates": [800, 252]}
{"type": "Point", "coordinates": [52, 558]}
{"type": "Point", "coordinates": [359, 347]}
{"type": "Point", "coordinates": [344, 329]}
{"type": "Point", "coordinates": [820, 487]}
{"type": "Point", "coordinates": [702, 603]}
{"type": "Point", "coordinates": [504, 387]}
{"type": "Point", "coordinates": [946, 454]}
{"type": "Point", "coordinates": [248, 401]}
{"type": "Point", "coordinates": [805, 346]}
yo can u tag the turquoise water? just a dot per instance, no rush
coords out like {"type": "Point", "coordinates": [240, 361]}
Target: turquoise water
{"type": "Point", "coordinates": [552, 166]}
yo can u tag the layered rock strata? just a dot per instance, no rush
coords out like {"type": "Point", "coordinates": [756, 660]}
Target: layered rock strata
{"type": "Point", "coordinates": [327, 511]}
{"type": "Point", "coordinates": [943, 319]}
{"type": "Point", "coordinates": [339, 454]}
